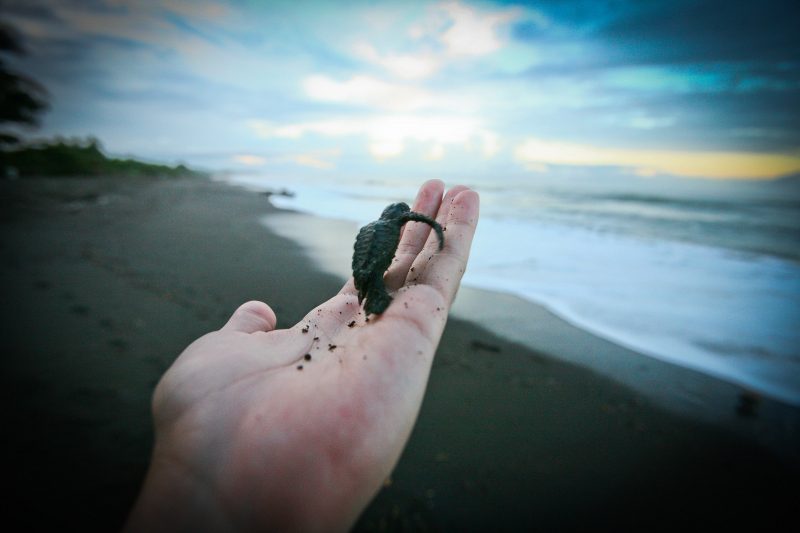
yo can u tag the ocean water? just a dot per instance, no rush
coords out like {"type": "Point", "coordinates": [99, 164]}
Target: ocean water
{"type": "Point", "coordinates": [703, 274]}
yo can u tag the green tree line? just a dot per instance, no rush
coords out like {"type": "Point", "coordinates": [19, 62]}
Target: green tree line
{"type": "Point", "coordinates": [22, 102]}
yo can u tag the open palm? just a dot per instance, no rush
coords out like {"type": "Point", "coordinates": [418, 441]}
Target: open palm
{"type": "Point", "coordinates": [298, 428]}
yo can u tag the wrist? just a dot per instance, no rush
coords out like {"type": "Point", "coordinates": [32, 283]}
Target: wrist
{"type": "Point", "coordinates": [172, 498]}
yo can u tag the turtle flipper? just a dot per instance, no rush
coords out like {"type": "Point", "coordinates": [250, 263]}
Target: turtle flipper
{"type": "Point", "coordinates": [374, 291]}
{"type": "Point", "coordinates": [377, 301]}
{"type": "Point", "coordinates": [419, 217]}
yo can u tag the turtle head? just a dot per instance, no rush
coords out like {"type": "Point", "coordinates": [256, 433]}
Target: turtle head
{"type": "Point", "coordinates": [395, 211]}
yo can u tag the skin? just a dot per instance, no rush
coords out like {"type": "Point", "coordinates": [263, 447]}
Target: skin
{"type": "Point", "coordinates": [245, 441]}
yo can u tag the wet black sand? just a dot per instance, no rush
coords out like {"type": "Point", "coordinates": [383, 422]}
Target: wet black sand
{"type": "Point", "coordinates": [106, 281]}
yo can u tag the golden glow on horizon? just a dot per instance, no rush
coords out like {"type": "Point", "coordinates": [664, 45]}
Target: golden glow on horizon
{"type": "Point", "coordinates": [250, 160]}
{"type": "Point", "coordinates": [535, 153]}
{"type": "Point", "coordinates": [319, 159]}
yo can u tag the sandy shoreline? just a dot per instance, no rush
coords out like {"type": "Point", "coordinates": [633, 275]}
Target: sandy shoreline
{"type": "Point", "coordinates": [679, 390]}
{"type": "Point", "coordinates": [106, 281]}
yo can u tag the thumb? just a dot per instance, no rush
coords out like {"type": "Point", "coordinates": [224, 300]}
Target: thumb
{"type": "Point", "coordinates": [251, 317]}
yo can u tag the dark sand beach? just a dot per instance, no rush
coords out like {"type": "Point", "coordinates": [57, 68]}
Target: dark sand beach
{"type": "Point", "coordinates": [105, 281]}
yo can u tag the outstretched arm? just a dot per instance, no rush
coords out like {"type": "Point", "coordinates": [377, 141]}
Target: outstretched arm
{"type": "Point", "coordinates": [263, 429]}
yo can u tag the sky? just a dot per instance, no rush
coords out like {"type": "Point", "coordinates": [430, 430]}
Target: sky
{"type": "Point", "coordinates": [690, 89]}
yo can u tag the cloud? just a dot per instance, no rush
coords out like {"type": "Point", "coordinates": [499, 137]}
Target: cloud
{"type": "Point", "coordinates": [406, 66]}
{"type": "Point", "coordinates": [703, 31]}
{"type": "Point", "coordinates": [491, 144]}
{"type": "Point", "coordinates": [460, 32]}
{"type": "Point", "coordinates": [648, 122]}
{"type": "Point", "coordinates": [388, 135]}
{"type": "Point", "coordinates": [317, 159]}
{"type": "Point", "coordinates": [366, 91]}
{"type": "Point", "coordinates": [204, 10]}
{"type": "Point", "coordinates": [250, 160]}
{"type": "Point", "coordinates": [467, 31]}
{"type": "Point", "coordinates": [385, 147]}
{"type": "Point", "coordinates": [435, 153]}
{"type": "Point", "coordinates": [534, 153]}
{"type": "Point", "coordinates": [430, 79]}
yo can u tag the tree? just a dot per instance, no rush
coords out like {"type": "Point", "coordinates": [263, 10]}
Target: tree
{"type": "Point", "coordinates": [22, 99]}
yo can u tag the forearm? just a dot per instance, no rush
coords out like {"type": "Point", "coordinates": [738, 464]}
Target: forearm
{"type": "Point", "coordinates": [173, 499]}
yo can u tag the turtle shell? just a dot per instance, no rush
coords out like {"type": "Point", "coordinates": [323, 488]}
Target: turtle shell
{"type": "Point", "coordinates": [374, 249]}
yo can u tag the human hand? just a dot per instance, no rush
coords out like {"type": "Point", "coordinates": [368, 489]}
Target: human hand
{"type": "Point", "coordinates": [296, 429]}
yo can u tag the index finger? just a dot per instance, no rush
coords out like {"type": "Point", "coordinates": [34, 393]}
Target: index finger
{"type": "Point", "coordinates": [444, 269]}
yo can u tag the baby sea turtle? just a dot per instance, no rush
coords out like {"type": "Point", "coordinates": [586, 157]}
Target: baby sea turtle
{"type": "Point", "coordinates": [374, 250]}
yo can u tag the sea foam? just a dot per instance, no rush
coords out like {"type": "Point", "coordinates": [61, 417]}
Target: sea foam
{"type": "Point", "coordinates": [619, 272]}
